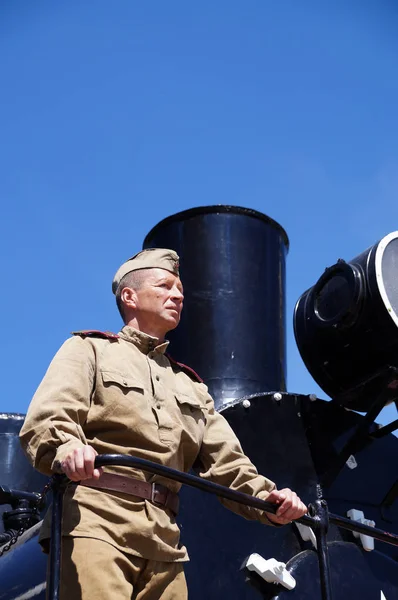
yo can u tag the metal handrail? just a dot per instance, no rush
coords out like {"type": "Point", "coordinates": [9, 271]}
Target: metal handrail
{"type": "Point", "coordinates": [318, 520]}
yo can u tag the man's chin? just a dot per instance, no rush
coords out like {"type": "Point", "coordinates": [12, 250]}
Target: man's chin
{"type": "Point", "coordinates": [176, 320]}
{"type": "Point", "coordinates": [173, 319]}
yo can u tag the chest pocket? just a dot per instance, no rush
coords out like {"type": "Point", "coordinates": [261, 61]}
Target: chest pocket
{"type": "Point", "coordinates": [120, 393]}
{"type": "Point", "coordinates": [193, 414]}
{"type": "Point", "coordinates": [190, 405]}
{"type": "Point", "coordinates": [123, 382]}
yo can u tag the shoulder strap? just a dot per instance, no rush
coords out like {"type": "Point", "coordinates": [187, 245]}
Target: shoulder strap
{"type": "Point", "coordinates": [95, 333]}
{"type": "Point", "coordinates": [188, 370]}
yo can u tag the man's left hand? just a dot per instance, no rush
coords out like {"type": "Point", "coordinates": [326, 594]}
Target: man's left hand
{"type": "Point", "coordinates": [290, 506]}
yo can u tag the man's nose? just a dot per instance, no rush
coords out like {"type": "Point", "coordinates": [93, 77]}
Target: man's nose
{"type": "Point", "coordinates": [178, 295]}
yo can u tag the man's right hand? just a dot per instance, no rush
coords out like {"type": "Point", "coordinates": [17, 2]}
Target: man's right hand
{"type": "Point", "coordinates": [79, 464]}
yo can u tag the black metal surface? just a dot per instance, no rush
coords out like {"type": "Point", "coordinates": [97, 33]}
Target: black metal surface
{"type": "Point", "coordinates": [346, 325]}
{"type": "Point", "coordinates": [23, 570]}
{"type": "Point", "coordinates": [55, 557]}
{"type": "Point", "coordinates": [232, 264]}
{"type": "Point", "coordinates": [370, 484]}
{"type": "Point", "coordinates": [386, 430]}
{"type": "Point", "coordinates": [218, 209]}
{"type": "Point", "coordinates": [388, 500]}
{"type": "Point", "coordinates": [362, 431]}
{"type": "Point", "coordinates": [320, 512]}
{"type": "Point", "coordinates": [351, 576]}
{"type": "Point", "coordinates": [15, 470]}
{"type": "Point", "coordinates": [8, 496]}
{"type": "Point", "coordinates": [384, 570]}
{"type": "Point", "coordinates": [374, 532]}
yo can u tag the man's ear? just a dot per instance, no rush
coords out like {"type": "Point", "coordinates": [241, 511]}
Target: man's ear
{"type": "Point", "coordinates": [129, 297]}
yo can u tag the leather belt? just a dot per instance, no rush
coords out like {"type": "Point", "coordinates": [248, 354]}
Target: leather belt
{"type": "Point", "coordinates": [156, 493]}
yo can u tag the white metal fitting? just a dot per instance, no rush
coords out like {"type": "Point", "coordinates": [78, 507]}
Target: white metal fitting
{"type": "Point", "coordinates": [277, 396]}
{"type": "Point", "coordinates": [351, 462]}
{"type": "Point", "coordinates": [306, 533]}
{"type": "Point", "coordinates": [313, 397]}
{"type": "Point", "coordinates": [270, 570]}
{"type": "Point", "coordinates": [246, 403]}
{"type": "Point", "coordinates": [367, 541]}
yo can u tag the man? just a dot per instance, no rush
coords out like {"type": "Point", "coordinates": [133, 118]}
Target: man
{"type": "Point", "coordinates": [107, 393]}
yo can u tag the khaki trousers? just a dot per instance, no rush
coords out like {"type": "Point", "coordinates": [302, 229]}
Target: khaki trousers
{"type": "Point", "coordinates": [95, 570]}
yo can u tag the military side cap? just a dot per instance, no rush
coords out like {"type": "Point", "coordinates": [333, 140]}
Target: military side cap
{"type": "Point", "coordinates": [152, 258]}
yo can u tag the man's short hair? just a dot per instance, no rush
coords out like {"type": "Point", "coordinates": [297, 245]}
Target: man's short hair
{"type": "Point", "coordinates": [133, 280]}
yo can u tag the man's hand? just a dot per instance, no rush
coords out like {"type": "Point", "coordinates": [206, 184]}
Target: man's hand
{"type": "Point", "coordinates": [79, 464]}
{"type": "Point", "coordinates": [290, 506]}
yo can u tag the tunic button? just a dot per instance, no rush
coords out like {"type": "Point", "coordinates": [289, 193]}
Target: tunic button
{"type": "Point", "coordinates": [157, 377]}
{"type": "Point", "coordinates": [159, 406]}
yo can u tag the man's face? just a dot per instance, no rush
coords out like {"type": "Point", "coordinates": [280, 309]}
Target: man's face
{"type": "Point", "coordinates": [158, 302]}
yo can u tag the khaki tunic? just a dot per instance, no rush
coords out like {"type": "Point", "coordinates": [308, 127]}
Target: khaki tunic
{"type": "Point", "coordinates": [123, 395]}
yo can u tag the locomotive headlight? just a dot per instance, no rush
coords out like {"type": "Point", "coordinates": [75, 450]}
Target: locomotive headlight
{"type": "Point", "coordinates": [337, 296]}
{"type": "Point", "coordinates": [346, 325]}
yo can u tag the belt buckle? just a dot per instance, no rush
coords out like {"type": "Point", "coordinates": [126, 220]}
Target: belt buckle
{"type": "Point", "coordinates": [153, 492]}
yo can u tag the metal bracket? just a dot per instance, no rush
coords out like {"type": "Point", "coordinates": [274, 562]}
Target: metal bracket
{"type": "Point", "coordinates": [362, 434]}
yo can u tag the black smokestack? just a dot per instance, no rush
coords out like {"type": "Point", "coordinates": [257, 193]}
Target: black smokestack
{"type": "Point", "coordinates": [233, 270]}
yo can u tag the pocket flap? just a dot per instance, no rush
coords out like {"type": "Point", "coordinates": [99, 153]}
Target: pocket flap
{"type": "Point", "coordinates": [191, 401]}
{"type": "Point", "coordinates": [124, 381]}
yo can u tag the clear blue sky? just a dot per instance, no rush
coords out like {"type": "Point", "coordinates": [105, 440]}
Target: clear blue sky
{"type": "Point", "coordinates": [114, 115]}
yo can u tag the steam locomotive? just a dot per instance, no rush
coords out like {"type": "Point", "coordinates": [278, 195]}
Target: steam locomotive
{"type": "Point", "coordinates": [232, 333]}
